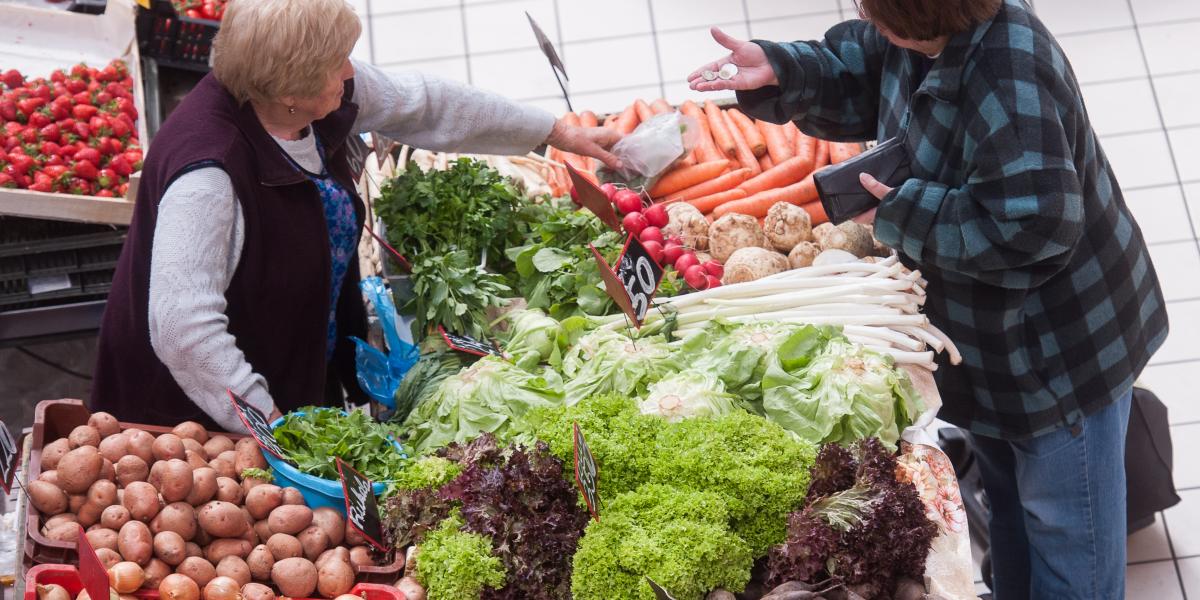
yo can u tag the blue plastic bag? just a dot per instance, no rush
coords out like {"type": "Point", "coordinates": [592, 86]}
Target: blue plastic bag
{"type": "Point", "coordinates": [380, 374]}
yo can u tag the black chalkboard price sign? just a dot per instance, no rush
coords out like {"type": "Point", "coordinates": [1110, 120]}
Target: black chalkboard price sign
{"type": "Point", "coordinates": [10, 455]}
{"type": "Point", "coordinates": [361, 511]}
{"type": "Point", "coordinates": [634, 281]}
{"type": "Point", "coordinates": [91, 570]}
{"type": "Point", "coordinates": [659, 592]}
{"type": "Point", "coordinates": [585, 473]}
{"type": "Point", "coordinates": [467, 344]}
{"type": "Point", "coordinates": [258, 426]}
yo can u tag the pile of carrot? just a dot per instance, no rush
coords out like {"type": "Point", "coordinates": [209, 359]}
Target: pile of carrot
{"type": "Point", "coordinates": [739, 165]}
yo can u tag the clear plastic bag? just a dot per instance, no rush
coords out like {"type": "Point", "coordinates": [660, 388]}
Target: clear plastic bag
{"type": "Point", "coordinates": [653, 147]}
{"type": "Point", "coordinates": [380, 374]}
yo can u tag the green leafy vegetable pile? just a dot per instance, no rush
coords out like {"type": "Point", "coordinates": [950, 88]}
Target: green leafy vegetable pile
{"type": "Point", "coordinates": [454, 564]}
{"type": "Point", "coordinates": [453, 291]}
{"type": "Point", "coordinates": [314, 437]}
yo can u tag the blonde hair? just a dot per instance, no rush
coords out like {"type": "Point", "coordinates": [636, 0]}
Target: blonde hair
{"type": "Point", "coordinates": [270, 49]}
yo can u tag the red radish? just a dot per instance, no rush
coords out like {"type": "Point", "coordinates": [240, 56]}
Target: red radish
{"type": "Point", "coordinates": [651, 234]}
{"type": "Point", "coordinates": [655, 250]}
{"type": "Point", "coordinates": [696, 277]}
{"type": "Point", "coordinates": [714, 268]}
{"type": "Point", "coordinates": [628, 201]}
{"type": "Point", "coordinates": [685, 262]}
{"type": "Point", "coordinates": [634, 223]}
{"type": "Point", "coordinates": [713, 281]}
{"type": "Point", "coordinates": [672, 252]}
{"type": "Point", "coordinates": [674, 239]}
{"type": "Point", "coordinates": [609, 190]}
{"type": "Point", "coordinates": [657, 215]}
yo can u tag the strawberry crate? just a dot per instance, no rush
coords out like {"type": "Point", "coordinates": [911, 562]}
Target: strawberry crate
{"type": "Point", "coordinates": [173, 39]}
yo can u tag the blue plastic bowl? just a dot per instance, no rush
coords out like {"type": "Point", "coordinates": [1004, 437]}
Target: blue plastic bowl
{"type": "Point", "coordinates": [317, 492]}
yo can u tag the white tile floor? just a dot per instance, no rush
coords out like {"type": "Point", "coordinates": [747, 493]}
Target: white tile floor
{"type": "Point", "coordinates": [1135, 59]}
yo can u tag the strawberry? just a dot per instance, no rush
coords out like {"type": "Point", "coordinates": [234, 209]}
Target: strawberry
{"type": "Point", "coordinates": [83, 97]}
{"type": "Point", "coordinates": [49, 148]}
{"type": "Point", "coordinates": [11, 142]}
{"type": "Point", "coordinates": [105, 194]}
{"type": "Point", "coordinates": [55, 160]}
{"type": "Point", "coordinates": [76, 85]}
{"type": "Point", "coordinates": [84, 112]}
{"type": "Point", "coordinates": [134, 156]}
{"type": "Point", "coordinates": [6, 181]}
{"type": "Point", "coordinates": [29, 136]}
{"type": "Point", "coordinates": [55, 171]}
{"type": "Point", "coordinates": [116, 90]}
{"type": "Point", "coordinates": [85, 169]}
{"type": "Point", "coordinates": [79, 71]}
{"type": "Point", "coordinates": [103, 98]}
{"type": "Point", "coordinates": [58, 76]}
{"type": "Point", "coordinates": [91, 155]}
{"type": "Point", "coordinates": [94, 86]}
{"type": "Point", "coordinates": [42, 91]}
{"type": "Point", "coordinates": [46, 185]}
{"type": "Point", "coordinates": [108, 73]}
{"type": "Point", "coordinates": [49, 133]}
{"type": "Point", "coordinates": [120, 165]}
{"type": "Point", "coordinates": [39, 119]}
{"type": "Point", "coordinates": [20, 162]}
{"type": "Point", "coordinates": [29, 105]}
{"type": "Point", "coordinates": [79, 186]}
{"type": "Point", "coordinates": [126, 106]}
{"type": "Point", "coordinates": [82, 131]}
{"type": "Point", "coordinates": [120, 128]}
{"type": "Point", "coordinates": [12, 78]}
{"type": "Point", "coordinates": [8, 109]}
{"type": "Point", "coordinates": [107, 178]}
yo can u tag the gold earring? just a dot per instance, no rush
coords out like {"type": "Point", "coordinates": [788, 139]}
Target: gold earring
{"type": "Point", "coordinates": [291, 110]}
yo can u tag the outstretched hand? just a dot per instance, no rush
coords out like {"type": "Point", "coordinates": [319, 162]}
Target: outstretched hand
{"type": "Point", "coordinates": [586, 141]}
{"type": "Point", "coordinates": [754, 71]}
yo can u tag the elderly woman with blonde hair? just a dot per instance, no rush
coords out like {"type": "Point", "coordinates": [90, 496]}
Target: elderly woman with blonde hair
{"type": "Point", "coordinates": [239, 271]}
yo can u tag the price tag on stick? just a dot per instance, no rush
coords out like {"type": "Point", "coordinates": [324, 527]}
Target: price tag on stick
{"type": "Point", "coordinates": [258, 426]}
{"type": "Point", "coordinates": [593, 199]}
{"type": "Point", "coordinates": [91, 570]}
{"type": "Point", "coordinates": [586, 473]}
{"type": "Point", "coordinates": [361, 511]}
{"type": "Point", "coordinates": [556, 65]}
{"type": "Point", "coordinates": [10, 455]}
{"type": "Point", "coordinates": [467, 344]}
{"type": "Point", "coordinates": [659, 592]}
{"type": "Point", "coordinates": [635, 280]}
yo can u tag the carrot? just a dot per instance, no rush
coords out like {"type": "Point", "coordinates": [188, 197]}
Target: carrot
{"type": "Point", "coordinates": [720, 132]}
{"type": "Point", "coordinates": [806, 148]}
{"type": "Point", "coordinates": [745, 155]}
{"type": "Point", "coordinates": [816, 212]}
{"type": "Point", "coordinates": [706, 151]}
{"type": "Point", "coordinates": [822, 155]}
{"type": "Point", "coordinates": [681, 179]}
{"type": "Point", "coordinates": [749, 131]}
{"type": "Point", "coordinates": [727, 181]}
{"type": "Point", "coordinates": [776, 142]}
{"type": "Point", "coordinates": [711, 201]}
{"type": "Point", "coordinates": [783, 174]}
{"type": "Point", "coordinates": [660, 106]}
{"type": "Point", "coordinates": [800, 193]}
{"type": "Point", "coordinates": [643, 110]}
{"type": "Point", "coordinates": [588, 118]}
{"type": "Point", "coordinates": [628, 121]}
{"type": "Point", "coordinates": [765, 162]}
{"type": "Point", "coordinates": [791, 134]}
{"type": "Point", "coordinates": [839, 152]}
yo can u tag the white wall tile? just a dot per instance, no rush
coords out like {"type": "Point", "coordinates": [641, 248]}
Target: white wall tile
{"type": "Point", "coordinates": [677, 14]}
{"type": "Point", "coordinates": [1148, 544]}
{"type": "Point", "coordinates": [516, 74]}
{"type": "Point", "coordinates": [1183, 342]}
{"type": "Point", "coordinates": [811, 27]}
{"type": "Point", "coordinates": [1178, 267]}
{"type": "Point", "coordinates": [1186, 144]}
{"type": "Point", "coordinates": [503, 26]}
{"type": "Point", "coordinates": [681, 52]}
{"type": "Point", "coordinates": [362, 48]}
{"type": "Point", "coordinates": [1175, 386]}
{"type": "Point", "coordinates": [771, 9]}
{"type": "Point", "coordinates": [1153, 580]}
{"type": "Point", "coordinates": [419, 35]}
{"type": "Point", "coordinates": [446, 68]}
{"type": "Point", "coordinates": [1189, 570]}
{"type": "Point", "coordinates": [555, 106]}
{"type": "Point", "coordinates": [1160, 11]}
{"type": "Point", "coordinates": [603, 103]}
{"type": "Point", "coordinates": [1061, 16]}
{"type": "Point", "coordinates": [1184, 518]}
{"type": "Point", "coordinates": [1177, 98]}
{"type": "Point", "coordinates": [1140, 160]}
{"type": "Point", "coordinates": [389, 7]}
{"type": "Point", "coordinates": [606, 64]}
{"type": "Point", "coordinates": [1191, 195]}
{"type": "Point", "coordinates": [1121, 107]}
{"type": "Point", "coordinates": [582, 20]}
{"type": "Point", "coordinates": [1104, 56]}
{"type": "Point", "coordinates": [1171, 48]}
{"type": "Point", "coordinates": [1161, 213]}
{"type": "Point", "coordinates": [1186, 442]}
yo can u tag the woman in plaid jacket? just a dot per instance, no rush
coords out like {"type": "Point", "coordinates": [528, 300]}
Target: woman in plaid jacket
{"type": "Point", "coordinates": [1036, 268]}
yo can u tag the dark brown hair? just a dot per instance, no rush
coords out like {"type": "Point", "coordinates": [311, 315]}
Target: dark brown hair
{"type": "Point", "coordinates": [927, 19]}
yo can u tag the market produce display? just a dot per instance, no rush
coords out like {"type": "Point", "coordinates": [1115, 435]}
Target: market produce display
{"type": "Point", "coordinates": [212, 10]}
{"type": "Point", "coordinates": [75, 132]}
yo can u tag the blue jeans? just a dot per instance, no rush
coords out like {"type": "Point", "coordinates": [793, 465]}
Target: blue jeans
{"type": "Point", "coordinates": [1058, 509]}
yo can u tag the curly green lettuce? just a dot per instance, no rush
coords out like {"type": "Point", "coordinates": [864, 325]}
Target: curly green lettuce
{"type": "Point", "coordinates": [455, 565]}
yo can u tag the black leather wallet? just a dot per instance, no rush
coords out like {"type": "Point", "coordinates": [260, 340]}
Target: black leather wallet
{"type": "Point", "coordinates": [842, 194]}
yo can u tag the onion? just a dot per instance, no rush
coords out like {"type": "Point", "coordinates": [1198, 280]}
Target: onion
{"type": "Point", "coordinates": [222, 588]}
{"type": "Point", "coordinates": [178, 587]}
{"type": "Point", "coordinates": [411, 589]}
{"type": "Point", "coordinates": [348, 597]}
{"type": "Point", "coordinates": [126, 577]}
{"type": "Point", "coordinates": [52, 591]}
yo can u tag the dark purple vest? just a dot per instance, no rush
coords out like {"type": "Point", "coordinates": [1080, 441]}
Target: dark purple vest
{"type": "Point", "coordinates": [278, 301]}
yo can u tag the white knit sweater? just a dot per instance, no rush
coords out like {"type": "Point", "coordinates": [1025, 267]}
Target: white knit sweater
{"type": "Point", "coordinates": [199, 233]}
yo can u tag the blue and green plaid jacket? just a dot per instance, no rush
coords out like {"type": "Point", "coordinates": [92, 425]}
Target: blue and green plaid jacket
{"type": "Point", "coordinates": [1036, 268]}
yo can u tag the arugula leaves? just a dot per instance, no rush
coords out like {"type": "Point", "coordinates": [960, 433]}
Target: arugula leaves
{"type": "Point", "coordinates": [313, 437]}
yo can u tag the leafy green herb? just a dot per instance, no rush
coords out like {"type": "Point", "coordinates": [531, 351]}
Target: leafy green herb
{"type": "Point", "coordinates": [259, 474]}
{"type": "Point", "coordinates": [314, 437]}
{"type": "Point", "coordinates": [453, 564]}
{"type": "Point", "coordinates": [453, 291]}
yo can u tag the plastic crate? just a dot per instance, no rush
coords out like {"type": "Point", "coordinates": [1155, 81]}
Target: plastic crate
{"type": "Point", "coordinates": [53, 419]}
{"type": "Point", "coordinates": [175, 40]}
{"type": "Point", "coordinates": [68, 577]}
{"type": "Point", "coordinates": [45, 263]}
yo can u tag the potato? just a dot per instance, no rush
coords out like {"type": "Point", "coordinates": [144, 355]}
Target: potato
{"type": "Point", "coordinates": [411, 589]}
{"type": "Point", "coordinates": [234, 567]}
{"type": "Point", "coordinates": [108, 557]}
{"type": "Point", "coordinates": [293, 496]}
{"type": "Point", "coordinates": [224, 468]}
{"type": "Point", "coordinates": [62, 532]}
{"type": "Point", "coordinates": [50, 477]}
{"type": "Point", "coordinates": [787, 225]}
{"type": "Point", "coordinates": [354, 537]}
{"type": "Point", "coordinates": [53, 452]}
{"type": "Point", "coordinates": [221, 548]}
{"type": "Point", "coordinates": [339, 553]}
{"type": "Point", "coordinates": [79, 468]}
{"type": "Point", "coordinates": [95, 527]}
{"type": "Point", "coordinates": [142, 501]}
{"type": "Point", "coordinates": [114, 517]}
{"type": "Point", "coordinates": [263, 530]}
{"type": "Point", "coordinates": [228, 489]}
{"type": "Point", "coordinates": [335, 578]}
{"type": "Point", "coordinates": [202, 537]}
{"type": "Point", "coordinates": [193, 549]}
{"type": "Point", "coordinates": [689, 224]}
{"type": "Point", "coordinates": [360, 556]}
{"type": "Point", "coordinates": [155, 572]}
{"type": "Point", "coordinates": [60, 519]}
{"type": "Point", "coordinates": [178, 517]}
{"type": "Point", "coordinates": [284, 546]}
{"type": "Point", "coordinates": [204, 486]}
{"type": "Point", "coordinates": [191, 430]}
{"type": "Point", "coordinates": [84, 435]}
{"type": "Point", "coordinates": [249, 483]}
{"type": "Point", "coordinates": [104, 424]}
{"type": "Point", "coordinates": [190, 445]}
{"type": "Point", "coordinates": [257, 591]}
{"type": "Point", "coordinates": [167, 446]}
{"type": "Point", "coordinates": [107, 471]}
{"type": "Point", "coordinates": [295, 577]}
{"type": "Point", "coordinates": [750, 264]}
{"type": "Point", "coordinates": [221, 519]}
{"type": "Point", "coordinates": [48, 498]}
{"type": "Point", "coordinates": [135, 542]}
{"type": "Point", "coordinates": [173, 478]}
{"type": "Point", "coordinates": [131, 468]}
{"type": "Point", "coordinates": [733, 232]}
{"type": "Point", "coordinates": [216, 445]}
{"type": "Point", "coordinates": [76, 502]}
{"type": "Point", "coordinates": [290, 519]}
{"type": "Point", "coordinates": [196, 460]}
{"type": "Point", "coordinates": [141, 444]}
{"type": "Point", "coordinates": [197, 569]}
{"type": "Point", "coordinates": [314, 540]}
{"type": "Point", "coordinates": [102, 538]}
{"type": "Point", "coordinates": [229, 456]}
{"type": "Point", "coordinates": [114, 447]}
{"type": "Point", "coordinates": [248, 456]}
{"type": "Point", "coordinates": [331, 521]}
{"type": "Point", "coordinates": [170, 547]}
{"type": "Point", "coordinates": [263, 499]}
{"type": "Point", "coordinates": [260, 562]}
{"type": "Point", "coordinates": [102, 493]}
